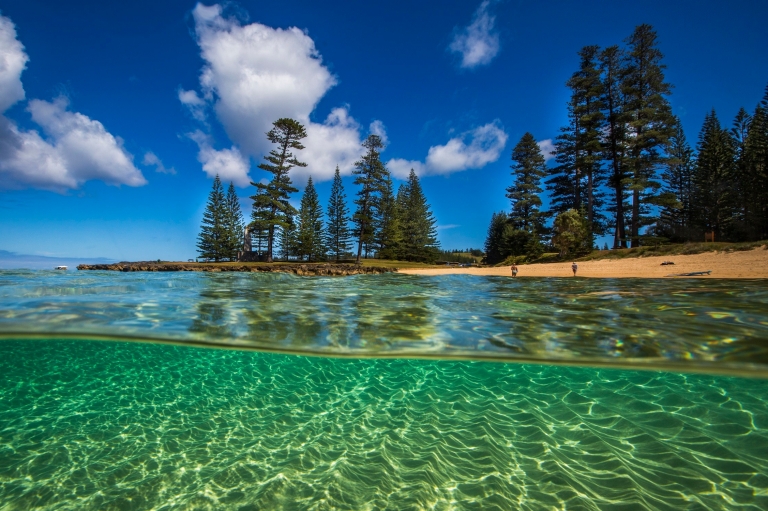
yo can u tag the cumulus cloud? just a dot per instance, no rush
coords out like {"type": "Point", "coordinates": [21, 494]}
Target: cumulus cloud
{"type": "Point", "coordinates": [194, 103]}
{"type": "Point", "coordinates": [151, 160]}
{"type": "Point", "coordinates": [229, 164]}
{"type": "Point", "coordinates": [471, 150]}
{"type": "Point", "coordinates": [77, 148]}
{"type": "Point", "coordinates": [477, 43]}
{"type": "Point", "coordinates": [13, 60]}
{"type": "Point", "coordinates": [255, 74]}
{"type": "Point", "coordinates": [377, 128]}
{"type": "Point", "coordinates": [547, 148]}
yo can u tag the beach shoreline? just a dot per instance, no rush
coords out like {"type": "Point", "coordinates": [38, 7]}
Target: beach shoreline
{"type": "Point", "coordinates": [749, 264]}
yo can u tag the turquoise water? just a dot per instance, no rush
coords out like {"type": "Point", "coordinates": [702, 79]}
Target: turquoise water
{"type": "Point", "coordinates": [92, 424]}
{"type": "Point", "coordinates": [710, 325]}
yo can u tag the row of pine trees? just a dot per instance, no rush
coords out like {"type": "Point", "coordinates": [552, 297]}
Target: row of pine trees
{"type": "Point", "coordinates": [623, 166]}
{"type": "Point", "coordinates": [391, 226]}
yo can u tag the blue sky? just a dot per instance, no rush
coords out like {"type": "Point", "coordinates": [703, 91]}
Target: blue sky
{"type": "Point", "coordinates": [115, 115]}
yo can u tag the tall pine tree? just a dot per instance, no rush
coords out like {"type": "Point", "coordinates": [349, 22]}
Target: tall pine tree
{"type": "Point", "coordinates": [756, 170]}
{"type": "Point", "coordinates": [310, 236]}
{"type": "Point", "coordinates": [615, 138]}
{"type": "Point", "coordinates": [272, 203]}
{"type": "Point", "coordinates": [388, 228]}
{"type": "Point", "coordinates": [338, 241]}
{"type": "Point", "coordinates": [370, 176]}
{"type": "Point", "coordinates": [714, 197]}
{"type": "Point", "coordinates": [577, 179]}
{"type": "Point", "coordinates": [234, 222]}
{"type": "Point", "coordinates": [212, 240]}
{"type": "Point", "coordinates": [417, 224]}
{"type": "Point", "coordinates": [677, 216]}
{"type": "Point", "coordinates": [495, 241]}
{"type": "Point", "coordinates": [650, 123]}
{"type": "Point", "coordinates": [526, 218]}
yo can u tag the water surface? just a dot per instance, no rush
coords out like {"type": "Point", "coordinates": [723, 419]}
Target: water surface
{"type": "Point", "coordinates": [710, 325]}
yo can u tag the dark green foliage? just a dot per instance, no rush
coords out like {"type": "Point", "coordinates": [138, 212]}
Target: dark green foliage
{"type": "Point", "coordinates": [495, 246]}
{"type": "Point", "coordinates": [571, 234]}
{"type": "Point", "coordinates": [370, 176]}
{"type": "Point", "coordinates": [756, 172]}
{"type": "Point", "coordinates": [260, 222]}
{"type": "Point", "coordinates": [526, 218]}
{"type": "Point", "coordinates": [271, 199]}
{"type": "Point", "coordinates": [310, 236]}
{"type": "Point", "coordinates": [234, 222]}
{"type": "Point", "coordinates": [338, 241]}
{"type": "Point", "coordinates": [287, 239]}
{"type": "Point", "coordinates": [714, 199]}
{"type": "Point", "coordinates": [676, 221]}
{"type": "Point", "coordinates": [417, 225]}
{"type": "Point", "coordinates": [615, 138]}
{"type": "Point", "coordinates": [650, 122]}
{"type": "Point", "coordinates": [212, 240]}
{"type": "Point", "coordinates": [388, 229]}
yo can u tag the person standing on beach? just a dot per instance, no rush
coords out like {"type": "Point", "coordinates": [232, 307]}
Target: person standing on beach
{"type": "Point", "coordinates": [574, 267]}
{"type": "Point", "coordinates": [514, 270]}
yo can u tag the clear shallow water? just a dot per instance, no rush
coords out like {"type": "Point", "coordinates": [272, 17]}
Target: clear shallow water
{"type": "Point", "coordinates": [709, 325]}
{"type": "Point", "coordinates": [86, 424]}
{"type": "Point", "coordinates": [100, 425]}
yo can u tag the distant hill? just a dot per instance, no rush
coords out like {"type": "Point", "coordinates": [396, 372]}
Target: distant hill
{"type": "Point", "coordinates": [12, 260]}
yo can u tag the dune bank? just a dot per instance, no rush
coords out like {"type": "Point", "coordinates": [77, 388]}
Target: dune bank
{"type": "Point", "coordinates": [752, 264]}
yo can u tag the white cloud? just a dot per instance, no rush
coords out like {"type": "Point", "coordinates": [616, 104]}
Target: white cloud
{"type": "Point", "coordinates": [194, 103]}
{"type": "Point", "coordinates": [13, 60]}
{"type": "Point", "coordinates": [77, 148]}
{"type": "Point", "coordinates": [377, 128]}
{"type": "Point", "coordinates": [401, 168]}
{"type": "Point", "coordinates": [255, 74]}
{"type": "Point", "coordinates": [478, 43]}
{"type": "Point", "coordinates": [547, 147]}
{"type": "Point", "coordinates": [335, 142]}
{"type": "Point", "coordinates": [151, 159]}
{"type": "Point", "coordinates": [229, 164]}
{"type": "Point", "coordinates": [449, 226]}
{"type": "Point", "coordinates": [471, 150]}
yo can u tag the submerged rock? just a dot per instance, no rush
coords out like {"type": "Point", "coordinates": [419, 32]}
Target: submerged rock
{"type": "Point", "coordinates": [310, 269]}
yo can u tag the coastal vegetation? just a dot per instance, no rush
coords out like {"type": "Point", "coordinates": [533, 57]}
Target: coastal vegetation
{"type": "Point", "coordinates": [386, 225]}
{"type": "Point", "coordinates": [623, 167]}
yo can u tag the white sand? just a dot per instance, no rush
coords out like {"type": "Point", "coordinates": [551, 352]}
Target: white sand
{"type": "Point", "coordinates": [752, 264]}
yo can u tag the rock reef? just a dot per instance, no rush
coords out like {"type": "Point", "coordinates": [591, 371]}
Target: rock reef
{"type": "Point", "coordinates": [317, 269]}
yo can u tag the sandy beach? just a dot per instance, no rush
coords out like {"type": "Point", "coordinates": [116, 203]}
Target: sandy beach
{"type": "Point", "coordinates": [752, 264]}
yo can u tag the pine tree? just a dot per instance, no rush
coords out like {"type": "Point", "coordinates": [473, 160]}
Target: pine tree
{"type": "Point", "coordinates": [388, 228]}
{"type": "Point", "coordinates": [615, 137]}
{"type": "Point", "coordinates": [676, 218]}
{"type": "Point", "coordinates": [260, 222]}
{"type": "Point", "coordinates": [571, 234]}
{"type": "Point", "coordinates": [526, 217]}
{"type": "Point", "coordinates": [286, 239]}
{"type": "Point", "coordinates": [756, 169]}
{"type": "Point", "coordinates": [272, 204]}
{"type": "Point", "coordinates": [714, 198]}
{"type": "Point", "coordinates": [310, 236]}
{"type": "Point", "coordinates": [234, 223]}
{"type": "Point", "coordinates": [650, 123]}
{"type": "Point", "coordinates": [577, 179]}
{"type": "Point", "coordinates": [495, 245]}
{"type": "Point", "coordinates": [370, 175]}
{"type": "Point", "coordinates": [741, 180]}
{"type": "Point", "coordinates": [417, 224]}
{"type": "Point", "coordinates": [211, 242]}
{"type": "Point", "coordinates": [338, 241]}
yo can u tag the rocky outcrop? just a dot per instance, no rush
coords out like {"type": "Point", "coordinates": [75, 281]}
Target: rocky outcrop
{"type": "Point", "coordinates": [319, 269]}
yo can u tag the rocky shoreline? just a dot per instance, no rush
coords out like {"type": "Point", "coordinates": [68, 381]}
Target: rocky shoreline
{"type": "Point", "coordinates": [310, 269]}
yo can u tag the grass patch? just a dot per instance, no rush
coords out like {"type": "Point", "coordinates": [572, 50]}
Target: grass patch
{"type": "Point", "coordinates": [673, 250]}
